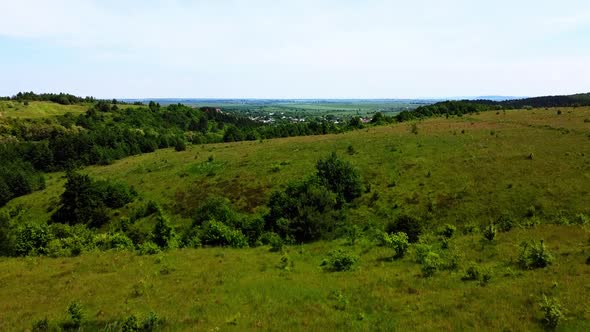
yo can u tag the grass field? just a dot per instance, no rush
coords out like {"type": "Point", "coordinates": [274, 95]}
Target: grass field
{"type": "Point", "coordinates": [459, 171]}
{"type": "Point", "coordinates": [38, 109]}
{"type": "Point", "coordinates": [248, 289]}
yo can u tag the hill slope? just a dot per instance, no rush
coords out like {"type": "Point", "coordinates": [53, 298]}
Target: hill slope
{"type": "Point", "coordinates": [533, 166]}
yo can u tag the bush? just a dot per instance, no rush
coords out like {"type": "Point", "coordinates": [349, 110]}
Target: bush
{"type": "Point", "coordinates": [85, 201]}
{"type": "Point", "coordinates": [533, 255]}
{"type": "Point", "coordinates": [32, 239]}
{"type": "Point", "coordinates": [180, 145]}
{"type": "Point", "coordinates": [470, 228]}
{"type": "Point", "coordinates": [339, 177]}
{"type": "Point", "coordinates": [447, 231]}
{"type": "Point", "coordinates": [421, 250]}
{"type": "Point", "coordinates": [504, 223]}
{"type": "Point", "coordinates": [473, 272]}
{"type": "Point", "coordinates": [286, 263]}
{"type": "Point", "coordinates": [149, 248]}
{"type": "Point", "coordinates": [41, 325]}
{"type": "Point", "coordinates": [353, 234]}
{"type": "Point", "coordinates": [489, 232]}
{"type": "Point", "coordinates": [76, 313]}
{"type": "Point", "coordinates": [399, 243]}
{"type": "Point", "coordinates": [131, 324]}
{"type": "Point", "coordinates": [551, 309]}
{"type": "Point", "coordinates": [406, 224]}
{"type": "Point", "coordinates": [117, 241]}
{"type": "Point", "coordinates": [339, 260]}
{"type": "Point", "coordinates": [219, 234]}
{"type": "Point", "coordinates": [274, 240]}
{"type": "Point", "coordinates": [382, 238]}
{"type": "Point", "coordinates": [581, 219]}
{"type": "Point", "coordinates": [305, 211]}
{"type": "Point", "coordinates": [430, 264]}
{"type": "Point", "coordinates": [151, 322]}
{"type": "Point", "coordinates": [164, 234]}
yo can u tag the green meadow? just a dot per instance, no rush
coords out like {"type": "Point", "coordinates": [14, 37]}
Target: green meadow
{"type": "Point", "coordinates": [530, 165]}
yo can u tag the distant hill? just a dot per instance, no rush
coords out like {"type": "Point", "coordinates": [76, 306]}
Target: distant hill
{"type": "Point", "coordinates": [580, 99]}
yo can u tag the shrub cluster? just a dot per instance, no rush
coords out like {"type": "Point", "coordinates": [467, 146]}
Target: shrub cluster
{"type": "Point", "coordinates": [534, 255]}
{"type": "Point", "coordinates": [86, 201]}
{"type": "Point", "coordinates": [339, 260]}
{"type": "Point", "coordinates": [311, 209]}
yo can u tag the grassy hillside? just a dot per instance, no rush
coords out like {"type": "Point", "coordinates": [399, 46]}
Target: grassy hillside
{"type": "Point", "coordinates": [452, 171]}
{"type": "Point", "coordinates": [462, 171]}
{"type": "Point", "coordinates": [38, 109]}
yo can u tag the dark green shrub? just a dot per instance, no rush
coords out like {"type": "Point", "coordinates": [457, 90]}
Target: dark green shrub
{"type": "Point", "coordinates": [447, 231]}
{"type": "Point", "coordinates": [151, 322]}
{"type": "Point", "coordinates": [489, 232]}
{"type": "Point", "coordinates": [219, 234]}
{"type": "Point", "coordinates": [164, 234]}
{"type": "Point", "coordinates": [351, 151]}
{"type": "Point", "coordinates": [41, 325]}
{"type": "Point", "coordinates": [445, 243]}
{"type": "Point", "coordinates": [534, 255]}
{"type": "Point", "coordinates": [339, 177]}
{"type": "Point", "coordinates": [115, 194]}
{"type": "Point", "coordinates": [406, 224]}
{"type": "Point", "coordinates": [470, 228]}
{"type": "Point", "coordinates": [551, 309]}
{"type": "Point", "coordinates": [76, 313]}
{"type": "Point", "coordinates": [473, 272]}
{"type": "Point", "coordinates": [305, 211]}
{"type": "Point", "coordinates": [85, 201]}
{"type": "Point", "coordinates": [131, 324]}
{"type": "Point", "coordinates": [180, 145]}
{"type": "Point", "coordinates": [339, 260]}
{"type": "Point", "coordinates": [400, 244]}
{"type": "Point", "coordinates": [588, 260]}
{"type": "Point", "coordinates": [218, 208]}
{"type": "Point", "coordinates": [504, 223]}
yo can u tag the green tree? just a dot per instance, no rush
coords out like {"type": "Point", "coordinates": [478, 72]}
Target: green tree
{"type": "Point", "coordinates": [164, 234]}
{"type": "Point", "coordinates": [339, 177]}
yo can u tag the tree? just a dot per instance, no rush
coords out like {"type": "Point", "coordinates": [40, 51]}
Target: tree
{"type": "Point", "coordinates": [80, 202]}
{"type": "Point", "coordinates": [164, 234]}
{"type": "Point", "coordinates": [203, 125]}
{"type": "Point", "coordinates": [339, 177]}
{"type": "Point", "coordinates": [304, 211]}
{"type": "Point", "coordinates": [378, 118]}
{"type": "Point", "coordinates": [406, 224]}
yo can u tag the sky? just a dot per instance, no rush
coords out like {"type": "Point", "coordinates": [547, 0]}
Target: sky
{"type": "Point", "coordinates": [295, 49]}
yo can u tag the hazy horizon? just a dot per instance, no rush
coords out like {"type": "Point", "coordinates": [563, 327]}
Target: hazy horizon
{"type": "Point", "coordinates": [307, 49]}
